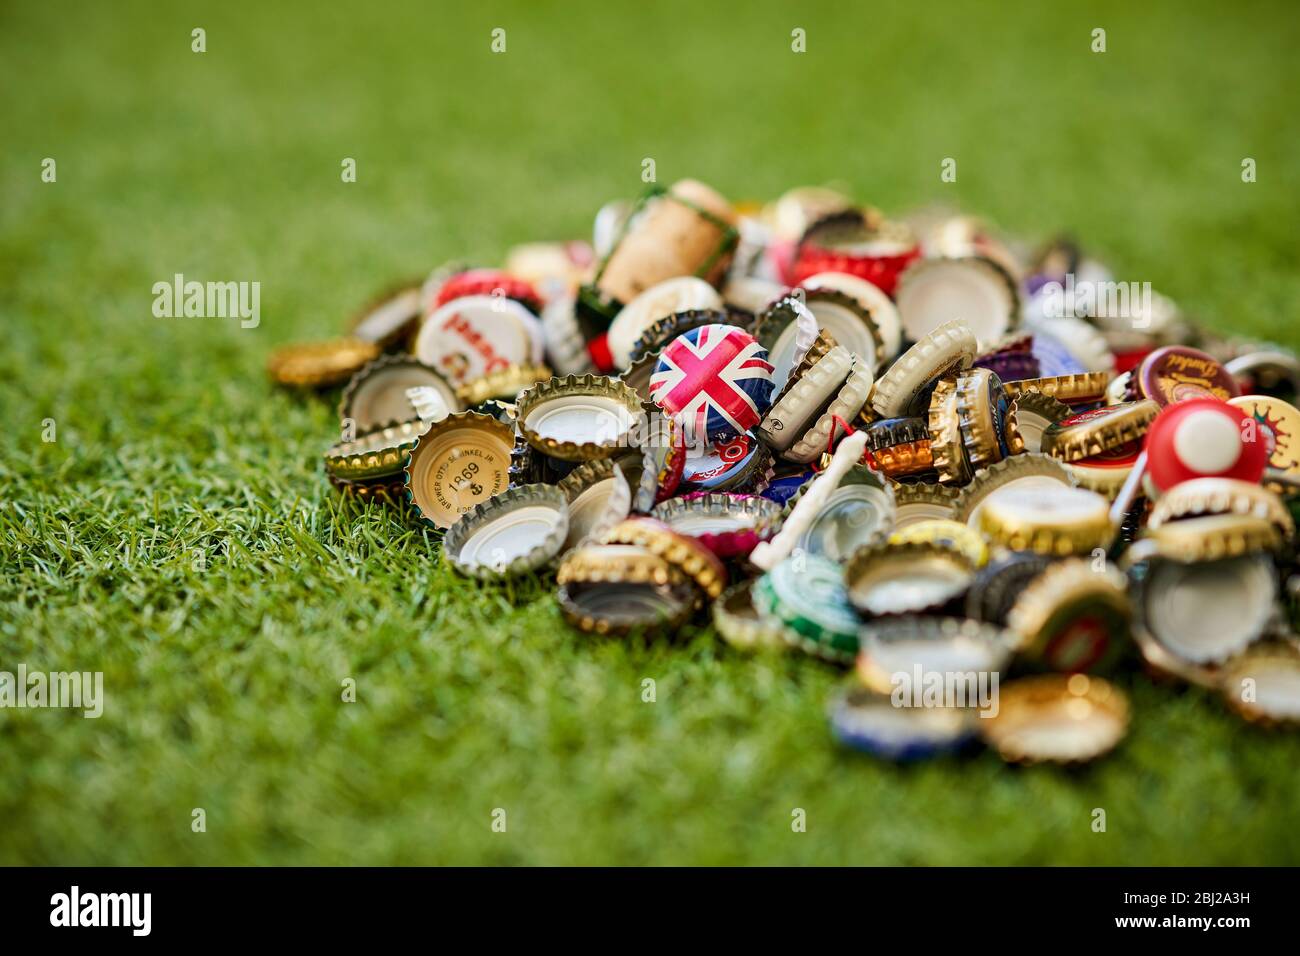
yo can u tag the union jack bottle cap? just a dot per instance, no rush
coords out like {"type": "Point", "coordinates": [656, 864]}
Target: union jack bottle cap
{"type": "Point", "coordinates": [714, 381]}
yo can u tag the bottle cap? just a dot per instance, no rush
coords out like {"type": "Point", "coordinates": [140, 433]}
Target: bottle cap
{"type": "Point", "coordinates": [728, 525]}
{"type": "Point", "coordinates": [1011, 359]}
{"type": "Point", "coordinates": [921, 501]}
{"type": "Point", "coordinates": [1279, 425]}
{"type": "Point", "coordinates": [1072, 617]}
{"type": "Point", "coordinates": [1200, 614]}
{"type": "Point", "coordinates": [1099, 431]}
{"type": "Point", "coordinates": [520, 530]}
{"type": "Point", "coordinates": [787, 329]}
{"type": "Point", "coordinates": [946, 446]}
{"type": "Point", "coordinates": [981, 407]}
{"type": "Point", "coordinates": [627, 607]}
{"type": "Point", "coordinates": [1028, 417]}
{"type": "Point", "coordinates": [870, 722]}
{"type": "Point", "coordinates": [491, 282]}
{"type": "Point", "coordinates": [471, 337]}
{"type": "Point", "coordinates": [741, 464]}
{"type": "Point", "coordinates": [1079, 389]}
{"type": "Point", "coordinates": [859, 244]}
{"type": "Point", "coordinates": [378, 453]}
{"type": "Point", "coordinates": [898, 654]}
{"type": "Point", "coordinates": [565, 338]}
{"type": "Point", "coordinates": [1083, 340]}
{"type": "Point", "coordinates": [805, 595]}
{"type": "Point", "coordinates": [390, 318]}
{"type": "Point", "coordinates": [578, 417]}
{"type": "Point", "coordinates": [786, 481]}
{"type": "Point", "coordinates": [505, 383]}
{"type": "Point", "coordinates": [1221, 496]}
{"type": "Point", "coordinates": [686, 554]}
{"type": "Point", "coordinates": [844, 407]}
{"type": "Point", "coordinates": [1202, 438]}
{"type": "Point", "coordinates": [660, 333]}
{"type": "Point", "coordinates": [1270, 372]}
{"type": "Point", "coordinates": [950, 348]}
{"type": "Point", "coordinates": [797, 409]}
{"type": "Point", "coordinates": [599, 497]}
{"type": "Point", "coordinates": [913, 577]}
{"type": "Point", "coordinates": [858, 510]}
{"type": "Point", "coordinates": [848, 322]}
{"type": "Point", "coordinates": [1263, 685]}
{"type": "Point", "coordinates": [1021, 471]}
{"type": "Point", "coordinates": [740, 624]}
{"type": "Point", "coordinates": [1105, 473]}
{"type": "Point", "coordinates": [999, 584]}
{"type": "Point", "coordinates": [1176, 373]}
{"type": "Point", "coordinates": [459, 462]}
{"type": "Point", "coordinates": [714, 381]}
{"type": "Point", "coordinates": [320, 364]}
{"type": "Point", "coordinates": [1057, 718]}
{"type": "Point", "coordinates": [377, 394]}
{"type": "Point", "coordinates": [1212, 537]}
{"type": "Point", "coordinates": [973, 288]}
{"type": "Point", "coordinates": [880, 307]}
{"type": "Point", "coordinates": [617, 564]}
{"type": "Point", "coordinates": [946, 533]}
{"type": "Point", "coordinates": [678, 294]}
{"type": "Point", "coordinates": [387, 491]}
{"type": "Point", "coordinates": [1048, 518]}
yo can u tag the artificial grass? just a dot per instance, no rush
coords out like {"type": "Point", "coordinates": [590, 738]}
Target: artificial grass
{"type": "Point", "coordinates": [223, 676]}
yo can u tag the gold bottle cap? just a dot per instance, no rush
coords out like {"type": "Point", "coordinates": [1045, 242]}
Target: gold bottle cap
{"type": "Point", "coordinates": [1047, 518]}
{"type": "Point", "coordinates": [847, 403]}
{"type": "Point", "coordinates": [1212, 537]}
{"type": "Point", "coordinates": [1027, 470]}
{"type": "Point", "coordinates": [617, 564]}
{"type": "Point", "coordinates": [946, 445]}
{"type": "Point", "coordinates": [793, 413]}
{"type": "Point", "coordinates": [740, 624]}
{"type": "Point", "coordinates": [377, 393]}
{"type": "Point", "coordinates": [1263, 685]}
{"type": "Point", "coordinates": [911, 577]}
{"type": "Point", "coordinates": [522, 529]}
{"type": "Point", "coordinates": [688, 555]}
{"type": "Point", "coordinates": [377, 453]}
{"type": "Point", "coordinates": [1100, 430]}
{"type": "Point", "coordinates": [979, 416]}
{"type": "Point", "coordinates": [1221, 496]}
{"type": "Point", "coordinates": [386, 491]}
{"type": "Point", "coordinates": [320, 364]}
{"type": "Point", "coordinates": [505, 383]}
{"type": "Point", "coordinates": [626, 607]}
{"type": "Point", "coordinates": [1077, 389]}
{"type": "Point", "coordinates": [949, 349]}
{"type": "Point", "coordinates": [946, 533]}
{"type": "Point", "coordinates": [916, 501]}
{"type": "Point", "coordinates": [579, 417]}
{"type": "Point", "coordinates": [1057, 718]}
{"type": "Point", "coordinates": [459, 462]}
{"type": "Point", "coordinates": [1028, 417]}
{"type": "Point", "coordinates": [1072, 617]}
{"type": "Point", "coordinates": [1105, 474]}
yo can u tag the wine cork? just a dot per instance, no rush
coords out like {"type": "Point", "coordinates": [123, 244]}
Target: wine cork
{"type": "Point", "coordinates": [670, 237]}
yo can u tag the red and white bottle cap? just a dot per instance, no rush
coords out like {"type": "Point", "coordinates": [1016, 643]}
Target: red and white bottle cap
{"type": "Point", "coordinates": [1202, 438]}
